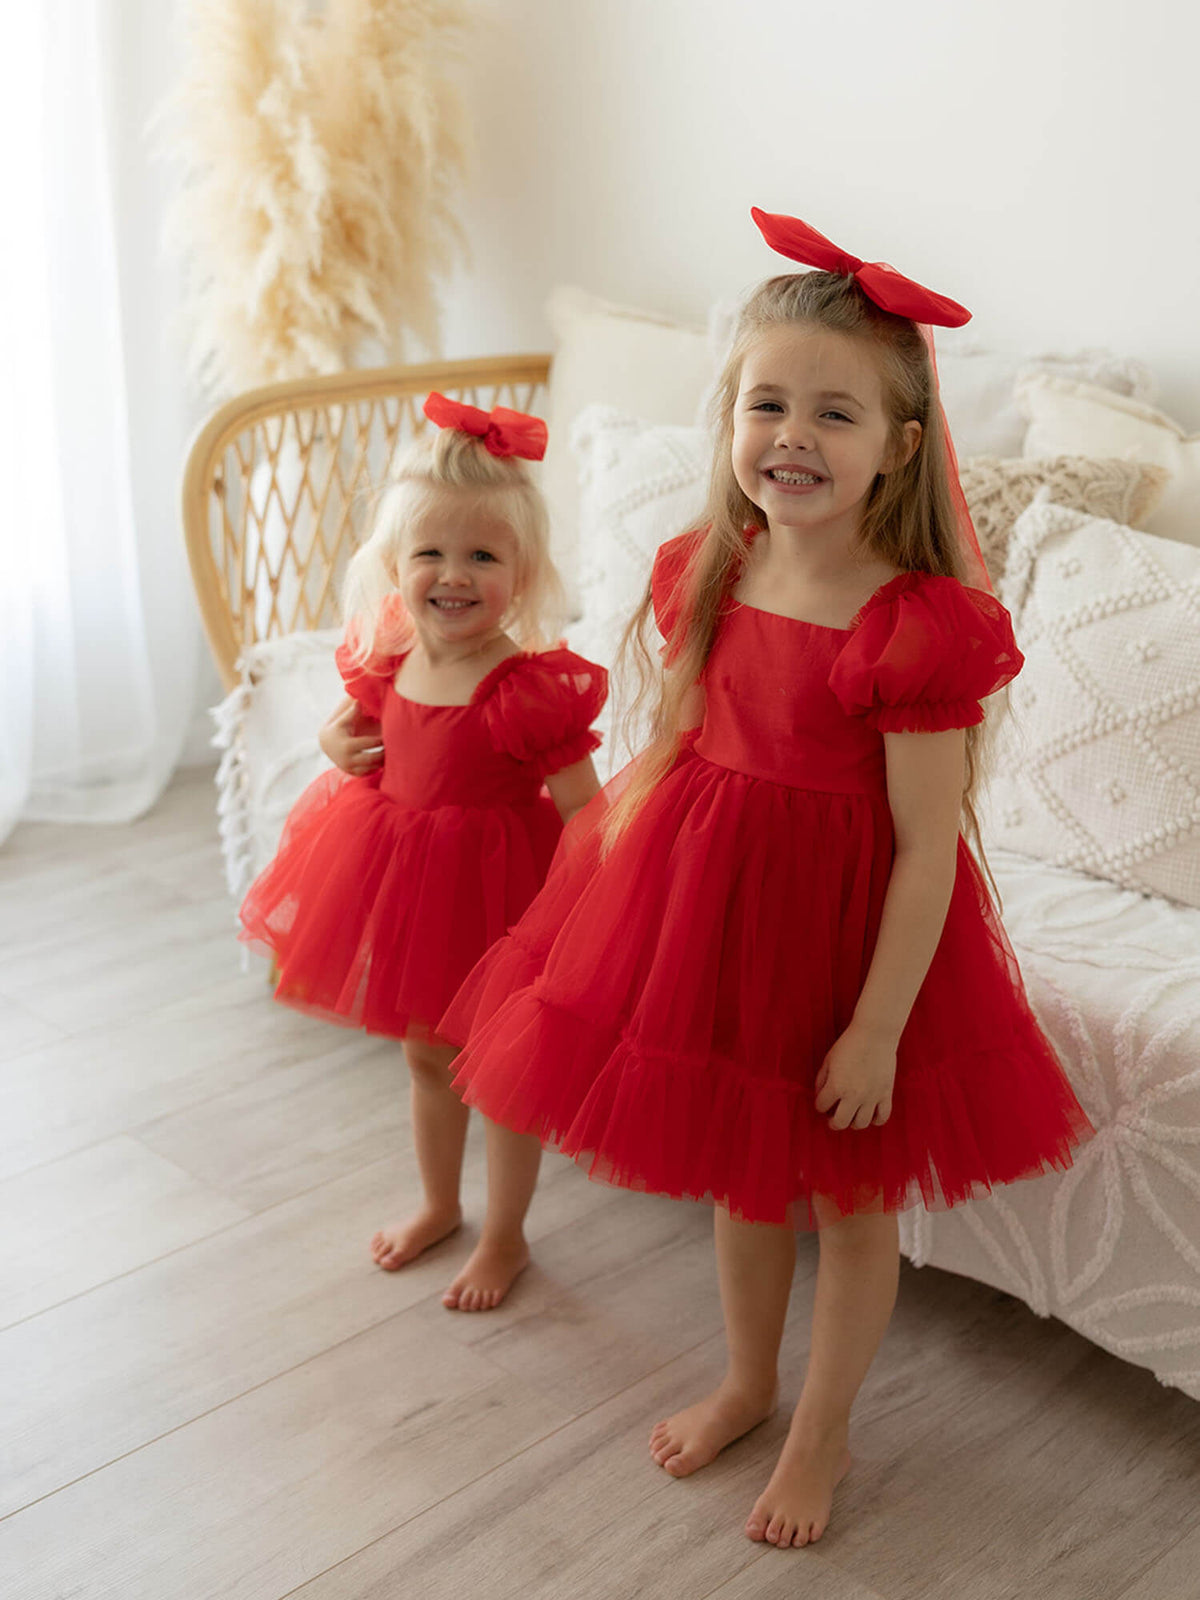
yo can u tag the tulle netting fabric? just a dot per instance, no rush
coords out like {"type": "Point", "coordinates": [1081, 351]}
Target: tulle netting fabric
{"type": "Point", "coordinates": [662, 1010]}
{"type": "Point", "coordinates": [386, 889]}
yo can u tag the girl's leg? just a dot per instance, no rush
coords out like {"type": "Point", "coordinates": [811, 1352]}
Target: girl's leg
{"type": "Point", "coordinates": [439, 1121]}
{"type": "Point", "coordinates": [755, 1262]}
{"type": "Point", "coordinates": [856, 1290]}
{"type": "Point", "coordinates": [502, 1253]}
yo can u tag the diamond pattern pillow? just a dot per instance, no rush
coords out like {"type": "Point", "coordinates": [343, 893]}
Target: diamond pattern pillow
{"type": "Point", "coordinates": [1097, 767]}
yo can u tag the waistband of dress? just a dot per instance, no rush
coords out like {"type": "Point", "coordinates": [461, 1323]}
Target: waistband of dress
{"type": "Point", "coordinates": [865, 791]}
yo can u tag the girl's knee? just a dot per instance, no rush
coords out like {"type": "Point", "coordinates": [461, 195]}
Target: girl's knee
{"type": "Point", "coordinates": [429, 1062]}
{"type": "Point", "coordinates": [865, 1232]}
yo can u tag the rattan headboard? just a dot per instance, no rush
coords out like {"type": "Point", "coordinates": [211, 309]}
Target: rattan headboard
{"type": "Point", "coordinates": [279, 483]}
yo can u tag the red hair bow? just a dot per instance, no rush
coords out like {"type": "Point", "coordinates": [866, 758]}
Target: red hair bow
{"type": "Point", "coordinates": [889, 289]}
{"type": "Point", "coordinates": [504, 432]}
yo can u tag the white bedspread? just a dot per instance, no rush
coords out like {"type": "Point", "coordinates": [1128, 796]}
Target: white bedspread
{"type": "Point", "coordinates": [1112, 1247]}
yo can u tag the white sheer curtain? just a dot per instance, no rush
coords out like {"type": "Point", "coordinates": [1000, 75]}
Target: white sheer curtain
{"type": "Point", "coordinates": [99, 644]}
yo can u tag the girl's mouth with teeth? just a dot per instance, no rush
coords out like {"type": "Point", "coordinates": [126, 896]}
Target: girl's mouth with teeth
{"type": "Point", "coordinates": [793, 478]}
{"type": "Point", "coordinates": [452, 605]}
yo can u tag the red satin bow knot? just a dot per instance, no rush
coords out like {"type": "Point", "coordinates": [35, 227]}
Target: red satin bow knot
{"type": "Point", "coordinates": [889, 289]}
{"type": "Point", "coordinates": [504, 432]}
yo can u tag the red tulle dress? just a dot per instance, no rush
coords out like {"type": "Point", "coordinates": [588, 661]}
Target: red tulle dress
{"type": "Point", "coordinates": [386, 889]}
{"type": "Point", "coordinates": [661, 1012]}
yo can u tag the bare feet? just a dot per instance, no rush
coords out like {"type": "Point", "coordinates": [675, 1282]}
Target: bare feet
{"type": "Point", "coordinates": [794, 1508]}
{"type": "Point", "coordinates": [692, 1438]}
{"type": "Point", "coordinates": [395, 1246]}
{"type": "Point", "coordinates": [488, 1275]}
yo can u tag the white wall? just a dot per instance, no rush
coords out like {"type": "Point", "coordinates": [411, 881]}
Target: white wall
{"type": "Point", "coordinates": [1035, 160]}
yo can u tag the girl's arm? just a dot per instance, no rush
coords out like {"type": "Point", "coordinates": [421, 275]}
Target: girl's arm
{"type": "Point", "coordinates": [925, 786]}
{"type": "Point", "coordinates": [351, 740]}
{"type": "Point", "coordinates": [572, 787]}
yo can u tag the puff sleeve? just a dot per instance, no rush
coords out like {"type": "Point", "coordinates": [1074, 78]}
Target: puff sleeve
{"type": "Point", "coordinates": [924, 651]}
{"type": "Point", "coordinates": [542, 708]}
{"type": "Point", "coordinates": [668, 583]}
{"type": "Point", "coordinates": [366, 681]}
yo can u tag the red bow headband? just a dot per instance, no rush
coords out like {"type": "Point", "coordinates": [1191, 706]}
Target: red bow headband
{"type": "Point", "coordinates": [504, 432]}
{"type": "Point", "coordinates": [889, 289]}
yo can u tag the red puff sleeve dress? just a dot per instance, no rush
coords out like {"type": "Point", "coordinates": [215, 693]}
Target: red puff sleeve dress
{"type": "Point", "coordinates": [662, 1010]}
{"type": "Point", "coordinates": [386, 889]}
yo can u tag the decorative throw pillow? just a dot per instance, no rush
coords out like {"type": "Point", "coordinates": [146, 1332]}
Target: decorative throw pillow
{"type": "Point", "coordinates": [610, 355]}
{"type": "Point", "coordinates": [639, 485]}
{"type": "Point", "coordinates": [267, 733]}
{"type": "Point", "coordinates": [1097, 767]}
{"type": "Point", "coordinates": [1068, 418]}
{"type": "Point", "coordinates": [998, 491]}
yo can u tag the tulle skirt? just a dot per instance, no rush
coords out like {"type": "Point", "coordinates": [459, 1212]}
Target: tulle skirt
{"type": "Point", "coordinates": [662, 1011]}
{"type": "Point", "coordinates": [375, 913]}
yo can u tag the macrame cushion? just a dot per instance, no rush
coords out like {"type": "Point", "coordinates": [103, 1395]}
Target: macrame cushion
{"type": "Point", "coordinates": [999, 489]}
{"type": "Point", "coordinates": [267, 735]}
{"type": "Point", "coordinates": [1071, 418]}
{"type": "Point", "coordinates": [1112, 1246]}
{"type": "Point", "coordinates": [1097, 767]}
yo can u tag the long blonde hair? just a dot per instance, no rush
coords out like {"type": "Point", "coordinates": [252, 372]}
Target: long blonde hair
{"type": "Point", "coordinates": [440, 461]}
{"type": "Point", "coordinates": [908, 521]}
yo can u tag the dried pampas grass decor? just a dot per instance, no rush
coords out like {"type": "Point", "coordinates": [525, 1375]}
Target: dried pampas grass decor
{"type": "Point", "coordinates": [321, 148]}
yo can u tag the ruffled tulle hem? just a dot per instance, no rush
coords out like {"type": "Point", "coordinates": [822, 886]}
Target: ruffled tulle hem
{"type": "Point", "coordinates": [707, 1130]}
{"type": "Point", "coordinates": [510, 965]}
{"type": "Point", "coordinates": [304, 994]}
{"type": "Point", "coordinates": [375, 914]}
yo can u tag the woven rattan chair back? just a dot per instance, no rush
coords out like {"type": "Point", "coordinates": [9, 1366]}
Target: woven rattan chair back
{"type": "Point", "coordinates": [279, 486]}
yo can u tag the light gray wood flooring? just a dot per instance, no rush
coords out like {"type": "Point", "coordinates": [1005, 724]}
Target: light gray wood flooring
{"type": "Point", "coordinates": [206, 1389]}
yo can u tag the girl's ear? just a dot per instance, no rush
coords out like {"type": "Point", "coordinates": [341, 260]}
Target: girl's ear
{"type": "Point", "coordinates": [910, 439]}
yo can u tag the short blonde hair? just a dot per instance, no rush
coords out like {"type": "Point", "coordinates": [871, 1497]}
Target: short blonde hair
{"type": "Point", "coordinates": [441, 460]}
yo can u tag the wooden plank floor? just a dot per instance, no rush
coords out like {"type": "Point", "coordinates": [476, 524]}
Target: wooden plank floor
{"type": "Point", "coordinates": [208, 1390]}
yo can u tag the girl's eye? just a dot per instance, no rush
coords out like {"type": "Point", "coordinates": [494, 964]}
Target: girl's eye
{"type": "Point", "coordinates": [839, 415]}
{"type": "Point", "coordinates": [482, 555]}
{"type": "Point", "coordinates": [767, 405]}
{"type": "Point", "coordinates": [419, 555]}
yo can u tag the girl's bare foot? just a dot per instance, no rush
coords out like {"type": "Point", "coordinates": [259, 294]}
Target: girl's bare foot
{"type": "Point", "coordinates": [488, 1276]}
{"type": "Point", "coordinates": [794, 1508]}
{"type": "Point", "coordinates": [692, 1438]}
{"type": "Point", "coordinates": [401, 1242]}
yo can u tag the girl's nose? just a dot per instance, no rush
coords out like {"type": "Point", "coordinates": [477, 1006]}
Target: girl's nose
{"type": "Point", "coordinates": [791, 434]}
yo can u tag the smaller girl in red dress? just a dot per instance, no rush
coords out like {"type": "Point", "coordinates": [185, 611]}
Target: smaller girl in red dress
{"type": "Point", "coordinates": [771, 975]}
{"type": "Point", "coordinates": [395, 874]}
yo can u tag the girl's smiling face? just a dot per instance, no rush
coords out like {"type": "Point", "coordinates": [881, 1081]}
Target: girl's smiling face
{"type": "Point", "coordinates": [810, 431]}
{"type": "Point", "coordinates": [458, 568]}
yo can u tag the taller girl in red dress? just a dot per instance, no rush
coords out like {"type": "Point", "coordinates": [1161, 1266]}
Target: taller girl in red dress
{"type": "Point", "coordinates": [773, 977]}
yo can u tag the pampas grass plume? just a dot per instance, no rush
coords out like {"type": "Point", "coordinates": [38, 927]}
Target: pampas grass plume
{"type": "Point", "coordinates": [321, 150]}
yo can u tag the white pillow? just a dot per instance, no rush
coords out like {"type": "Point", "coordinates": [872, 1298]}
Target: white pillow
{"type": "Point", "coordinates": [1098, 765]}
{"type": "Point", "coordinates": [1068, 418]}
{"type": "Point", "coordinates": [639, 485]}
{"type": "Point", "coordinates": [611, 355]}
{"type": "Point", "coordinates": [267, 732]}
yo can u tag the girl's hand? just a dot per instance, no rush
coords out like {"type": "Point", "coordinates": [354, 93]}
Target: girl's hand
{"type": "Point", "coordinates": [856, 1078]}
{"type": "Point", "coordinates": [351, 740]}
